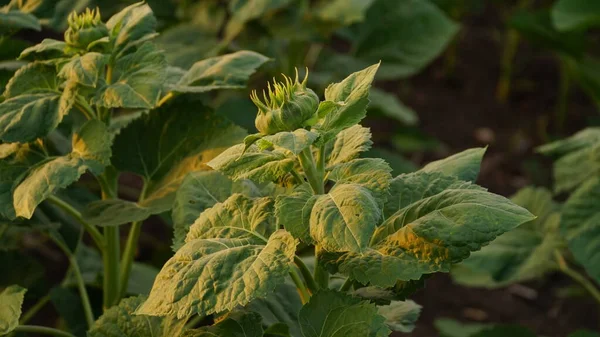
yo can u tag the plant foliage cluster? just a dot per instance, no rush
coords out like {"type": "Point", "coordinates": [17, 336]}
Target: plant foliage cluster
{"type": "Point", "coordinates": [290, 231]}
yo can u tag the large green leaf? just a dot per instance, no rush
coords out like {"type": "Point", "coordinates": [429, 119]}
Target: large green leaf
{"type": "Point", "coordinates": [47, 49]}
{"type": "Point", "coordinates": [280, 307]}
{"type": "Point", "coordinates": [229, 71]}
{"type": "Point", "coordinates": [171, 142]}
{"type": "Point", "coordinates": [115, 212]}
{"type": "Point", "coordinates": [33, 78]}
{"type": "Point", "coordinates": [420, 32]}
{"type": "Point", "coordinates": [84, 69]}
{"type": "Point", "coordinates": [349, 144]}
{"type": "Point", "coordinates": [524, 253]}
{"type": "Point", "coordinates": [334, 314]}
{"type": "Point", "coordinates": [214, 275]}
{"type": "Point", "coordinates": [33, 105]}
{"type": "Point", "coordinates": [247, 10]}
{"type": "Point", "coordinates": [373, 174]}
{"type": "Point", "coordinates": [345, 218]}
{"type": "Point", "coordinates": [293, 211]}
{"type": "Point", "coordinates": [538, 27]}
{"type": "Point", "coordinates": [91, 151]}
{"type": "Point", "coordinates": [391, 106]}
{"type": "Point", "coordinates": [237, 324]}
{"type": "Point", "coordinates": [575, 14]}
{"type": "Point", "coordinates": [10, 310]}
{"type": "Point", "coordinates": [137, 80]}
{"type": "Point", "coordinates": [253, 163]}
{"type": "Point", "coordinates": [585, 71]}
{"type": "Point", "coordinates": [237, 217]}
{"type": "Point", "coordinates": [294, 142]}
{"type": "Point", "coordinates": [120, 321]}
{"type": "Point", "coordinates": [68, 305]}
{"type": "Point", "coordinates": [430, 234]}
{"type": "Point", "coordinates": [12, 169]}
{"type": "Point", "coordinates": [579, 225]}
{"type": "Point", "coordinates": [451, 328]}
{"type": "Point", "coordinates": [579, 159]}
{"type": "Point", "coordinates": [133, 24]}
{"type": "Point", "coordinates": [401, 315]}
{"type": "Point", "coordinates": [409, 188]}
{"type": "Point", "coordinates": [180, 43]}
{"type": "Point", "coordinates": [200, 191]}
{"type": "Point", "coordinates": [463, 165]}
{"type": "Point", "coordinates": [505, 330]}
{"type": "Point", "coordinates": [578, 141]}
{"type": "Point", "coordinates": [343, 12]}
{"type": "Point", "coordinates": [348, 99]}
{"type": "Point", "coordinates": [13, 20]}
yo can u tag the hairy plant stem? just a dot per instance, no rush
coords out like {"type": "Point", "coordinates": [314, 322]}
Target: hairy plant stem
{"type": "Point", "coordinates": [85, 299]}
{"type": "Point", "coordinates": [131, 247]}
{"type": "Point", "coordinates": [42, 330]}
{"type": "Point", "coordinates": [346, 286]}
{"type": "Point", "coordinates": [297, 176]}
{"type": "Point", "coordinates": [194, 322]}
{"type": "Point", "coordinates": [304, 294]}
{"type": "Point", "coordinates": [321, 275]}
{"type": "Point", "coordinates": [308, 278]}
{"type": "Point", "coordinates": [165, 98]}
{"type": "Point", "coordinates": [87, 113]}
{"type": "Point", "coordinates": [577, 277]}
{"type": "Point", "coordinates": [112, 247]}
{"type": "Point", "coordinates": [315, 175]}
{"type": "Point", "coordinates": [307, 162]}
{"type": "Point", "coordinates": [94, 232]}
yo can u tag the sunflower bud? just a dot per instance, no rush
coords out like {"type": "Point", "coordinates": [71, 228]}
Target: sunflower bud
{"type": "Point", "coordinates": [290, 105]}
{"type": "Point", "coordinates": [85, 28]}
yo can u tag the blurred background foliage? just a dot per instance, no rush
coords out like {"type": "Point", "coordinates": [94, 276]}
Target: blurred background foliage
{"type": "Point", "coordinates": [455, 74]}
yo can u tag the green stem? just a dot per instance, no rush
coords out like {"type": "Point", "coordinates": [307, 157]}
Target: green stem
{"type": "Point", "coordinates": [297, 176]}
{"type": "Point", "coordinates": [308, 278]}
{"type": "Point", "coordinates": [563, 96]}
{"type": "Point", "coordinates": [576, 276]}
{"type": "Point", "coordinates": [42, 330]}
{"type": "Point", "coordinates": [94, 232]}
{"type": "Point", "coordinates": [111, 266]}
{"type": "Point", "coordinates": [304, 294]}
{"type": "Point", "coordinates": [131, 247]}
{"type": "Point", "coordinates": [194, 322]}
{"type": "Point", "coordinates": [166, 98]}
{"type": "Point", "coordinates": [87, 113]}
{"type": "Point", "coordinates": [321, 162]}
{"type": "Point", "coordinates": [308, 165]}
{"type": "Point", "coordinates": [321, 275]}
{"type": "Point", "coordinates": [112, 248]}
{"type": "Point", "coordinates": [34, 309]}
{"type": "Point", "coordinates": [85, 299]}
{"type": "Point", "coordinates": [347, 285]}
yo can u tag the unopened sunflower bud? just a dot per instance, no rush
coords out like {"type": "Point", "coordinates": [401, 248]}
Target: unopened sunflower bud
{"type": "Point", "coordinates": [85, 28]}
{"type": "Point", "coordinates": [290, 105]}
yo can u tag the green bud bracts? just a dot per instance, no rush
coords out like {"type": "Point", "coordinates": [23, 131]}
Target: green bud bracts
{"type": "Point", "coordinates": [85, 28]}
{"type": "Point", "coordinates": [290, 105]}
